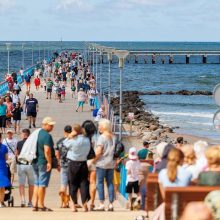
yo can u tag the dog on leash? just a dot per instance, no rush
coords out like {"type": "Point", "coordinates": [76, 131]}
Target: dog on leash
{"type": "Point", "coordinates": [64, 199]}
{"type": "Point", "coordinates": [136, 204]}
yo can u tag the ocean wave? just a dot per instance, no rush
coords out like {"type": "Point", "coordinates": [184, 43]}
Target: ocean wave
{"type": "Point", "coordinates": [199, 115]}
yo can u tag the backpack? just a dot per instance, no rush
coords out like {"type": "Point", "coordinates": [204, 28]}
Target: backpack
{"type": "Point", "coordinates": [73, 88]}
{"type": "Point", "coordinates": [95, 112]}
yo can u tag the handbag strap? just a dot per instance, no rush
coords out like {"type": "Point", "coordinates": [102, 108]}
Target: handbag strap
{"type": "Point", "coordinates": [9, 146]}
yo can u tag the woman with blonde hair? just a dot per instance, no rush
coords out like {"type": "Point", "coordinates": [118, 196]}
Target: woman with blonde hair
{"type": "Point", "coordinates": [174, 175]}
{"type": "Point", "coordinates": [105, 163]}
{"type": "Point", "coordinates": [211, 177]}
{"type": "Point", "coordinates": [190, 161]}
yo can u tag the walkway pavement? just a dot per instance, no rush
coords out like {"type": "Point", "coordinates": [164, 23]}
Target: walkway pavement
{"type": "Point", "coordinates": [63, 113]}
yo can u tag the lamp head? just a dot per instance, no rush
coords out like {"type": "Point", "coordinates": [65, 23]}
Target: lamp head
{"type": "Point", "coordinates": [8, 45]}
{"type": "Point", "coordinates": [121, 54]}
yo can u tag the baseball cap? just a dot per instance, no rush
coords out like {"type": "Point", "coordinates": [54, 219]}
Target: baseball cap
{"type": "Point", "coordinates": [9, 131]}
{"type": "Point", "coordinates": [48, 121]}
{"type": "Point", "coordinates": [132, 153]}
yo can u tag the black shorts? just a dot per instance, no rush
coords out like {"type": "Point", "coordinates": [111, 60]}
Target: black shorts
{"type": "Point", "coordinates": [32, 114]}
{"type": "Point", "coordinates": [132, 187]}
{"type": "Point", "coordinates": [49, 90]}
{"type": "Point", "coordinates": [64, 79]}
{"type": "Point", "coordinates": [2, 121]}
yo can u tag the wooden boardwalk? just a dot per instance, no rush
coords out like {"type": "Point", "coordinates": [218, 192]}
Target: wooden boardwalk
{"type": "Point", "coordinates": [63, 113]}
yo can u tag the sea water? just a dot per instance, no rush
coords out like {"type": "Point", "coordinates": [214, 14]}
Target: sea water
{"type": "Point", "coordinates": [192, 114]}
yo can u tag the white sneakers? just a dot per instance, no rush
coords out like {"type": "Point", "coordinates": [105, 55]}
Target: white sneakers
{"type": "Point", "coordinates": [102, 208]}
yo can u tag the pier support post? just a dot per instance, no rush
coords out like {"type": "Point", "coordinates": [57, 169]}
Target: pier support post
{"type": "Point", "coordinates": [204, 59]}
{"type": "Point", "coordinates": [153, 59]}
{"type": "Point", "coordinates": [171, 59]}
{"type": "Point", "coordinates": [136, 60]}
{"type": "Point", "coordinates": [187, 59]}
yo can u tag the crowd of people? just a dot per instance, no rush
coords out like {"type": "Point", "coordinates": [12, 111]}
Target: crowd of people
{"type": "Point", "coordinates": [88, 156]}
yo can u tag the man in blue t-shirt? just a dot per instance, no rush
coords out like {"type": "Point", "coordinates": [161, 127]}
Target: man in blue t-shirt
{"type": "Point", "coordinates": [32, 108]}
{"type": "Point", "coordinates": [27, 79]}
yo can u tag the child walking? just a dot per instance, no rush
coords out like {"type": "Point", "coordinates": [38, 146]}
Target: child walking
{"type": "Point", "coordinates": [132, 166]}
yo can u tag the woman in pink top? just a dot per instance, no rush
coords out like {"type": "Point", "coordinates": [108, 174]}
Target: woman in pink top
{"type": "Point", "coordinates": [10, 107]}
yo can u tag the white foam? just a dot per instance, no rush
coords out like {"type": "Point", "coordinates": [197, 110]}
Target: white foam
{"type": "Point", "coordinates": [199, 115]}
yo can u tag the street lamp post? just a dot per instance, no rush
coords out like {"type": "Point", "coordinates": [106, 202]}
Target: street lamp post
{"type": "Point", "coordinates": [48, 51]}
{"type": "Point", "coordinates": [93, 59]}
{"type": "Point", "coordinates": [32, 50]}
{"type": "Point", "coordinates": [109, 52]}
{"type": "Point", "coordinates": [121, 54]}
{"type": "Point", "coordinates": [22, 47]}
{"type": "Point", "coordinates": [8, 45]}
{"type": "Point", "coordinates": [39, 54]}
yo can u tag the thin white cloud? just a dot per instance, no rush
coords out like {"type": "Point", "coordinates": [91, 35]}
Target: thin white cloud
{"type": "Point", "coordinates": [74, 5]}
{"type": "Point", "coordinates": [6, 5]}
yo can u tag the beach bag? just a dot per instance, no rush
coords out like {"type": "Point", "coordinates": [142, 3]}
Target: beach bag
{"type": "Point", "coordinates": [95, 112]}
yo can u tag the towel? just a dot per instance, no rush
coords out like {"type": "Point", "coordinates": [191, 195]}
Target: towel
{"type": "Point", "coordinates": [29, 149]}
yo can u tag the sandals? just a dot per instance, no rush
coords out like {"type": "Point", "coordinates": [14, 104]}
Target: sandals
{"type": "Point", "coordinates": [45, 209]}
{"type": "Point", "coordinates": [92, 207]}
{"type": "Point", "coordinates": [35, 209]}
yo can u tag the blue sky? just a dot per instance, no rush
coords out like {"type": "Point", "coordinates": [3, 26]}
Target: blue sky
{"type": "Point", "coordinates": [110, 20]}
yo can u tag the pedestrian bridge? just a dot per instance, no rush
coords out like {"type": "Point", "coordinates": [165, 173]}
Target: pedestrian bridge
{"type": "Point", "coordinates": [63, 113]}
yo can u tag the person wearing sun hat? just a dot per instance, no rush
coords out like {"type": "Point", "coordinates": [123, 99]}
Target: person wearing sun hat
{"type": "Point", "coordinates": [133, 167]}
{"type": "Point", "coordinates": [42, 165]}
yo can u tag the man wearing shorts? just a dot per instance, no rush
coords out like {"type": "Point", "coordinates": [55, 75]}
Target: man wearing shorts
{"type": "Point", "coordinates": [42, 165]}
{"type": "Point", "coordinates": [49, 87]}
{"type": "Point", "coordinates": [32, 109]}
{"type": "Point", "coordinates": [61, 153]}
{"type": "Point", "coordinates": [3, 113]}
{"type": "Point", "coordinates": [11, 144]}
{"type": "Point", "coordinates": [25, 171]}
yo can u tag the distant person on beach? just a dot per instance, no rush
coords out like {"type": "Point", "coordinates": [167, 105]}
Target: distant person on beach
{"type": "Point", "coordinates": [25, 171]}
{"type": "Point", "coordinates": [32, 108]}
{"type": "Point", "coordinates": [179, 143]}
{"type": "Point", "coordinates": [42, 165]}
{"type": "Point", "coordinates": [142, 154]}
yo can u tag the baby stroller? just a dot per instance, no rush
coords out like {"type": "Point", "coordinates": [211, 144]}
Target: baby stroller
{"type": "Point", "coordinates": [8, 197]}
